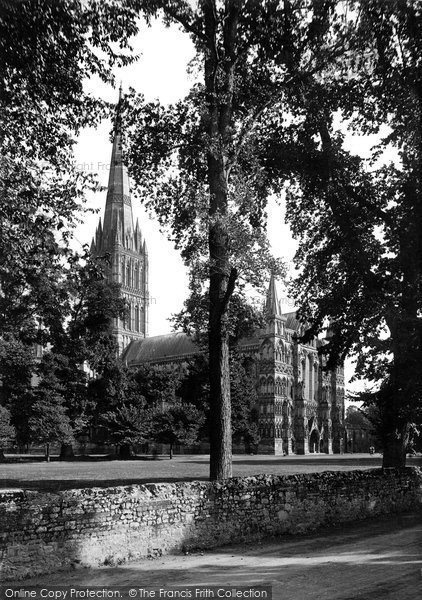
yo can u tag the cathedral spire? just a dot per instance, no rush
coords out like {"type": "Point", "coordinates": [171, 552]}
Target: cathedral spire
{"type": "Point", "coordinates": [118, 211]}
{"type": "Point", "coordinates": [272, 305]}
{"type": "Point", "coordinates": [123, 244]}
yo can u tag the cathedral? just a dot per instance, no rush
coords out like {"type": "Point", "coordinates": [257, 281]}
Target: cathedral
{"type": "Point", "coordinates": [301, 406]}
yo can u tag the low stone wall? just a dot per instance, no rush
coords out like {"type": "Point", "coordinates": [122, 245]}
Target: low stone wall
{"type": "Point", "coordinates": [41, 532]}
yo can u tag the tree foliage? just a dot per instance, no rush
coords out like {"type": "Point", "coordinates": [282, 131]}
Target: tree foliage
{"type": "Point", "coordinates": [157, 385]}
{"type": "Point", "coordinates": [47, 419]}
{"type": "Point", "coordinates": [79, 331]}
{"type": "Point", "coordinates": [43, 106]}
{"type": "Point", "coordinates": [7, 431]}
{"type": "Point", "coordinates": [82, 338]}
{"type": "Point", "coordinates": [16, 368]}
{"type": "Point", "coordinates": [244, 317]}
{"type": "Point", "coordinates": [244, 396]}
{"type": "Point", "coordinates": [359, 222]}
{"type": "Point", "coordinates": [128, 400]}
{"type": "Point", "coordinates": [355, 417]}
{"type": "Point", "coordinates": [128, 425]}
{"type": "Point", "coordinates": [178, 424]}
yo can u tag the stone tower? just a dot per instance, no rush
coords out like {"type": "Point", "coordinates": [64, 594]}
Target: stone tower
{"type": "Point", "coordinates": [275, 379]}
{"type": "Point", "coordinates": [121, 243]}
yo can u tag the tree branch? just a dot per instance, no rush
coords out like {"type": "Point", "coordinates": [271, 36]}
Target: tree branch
{"type": "Point", "coordinates": [229, 290]}
{"type": "Point", "coordinates": [174, 13]}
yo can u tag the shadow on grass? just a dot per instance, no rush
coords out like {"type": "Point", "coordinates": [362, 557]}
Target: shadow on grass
{"type": "Point", "coordinates": [304, 461]}
{"type": "Point", "coordinates": [311, 461]}
{"type": "Point", "coordinates": [30, 458]}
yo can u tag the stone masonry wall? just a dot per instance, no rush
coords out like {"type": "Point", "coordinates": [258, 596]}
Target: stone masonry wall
{"type": "Point", "coordinates": [42, 532]}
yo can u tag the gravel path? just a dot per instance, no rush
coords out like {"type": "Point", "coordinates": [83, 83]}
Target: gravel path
{"type": "Point", "coordinates": [373, 560]}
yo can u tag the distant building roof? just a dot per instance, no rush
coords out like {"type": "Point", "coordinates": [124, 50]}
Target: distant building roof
{"type": "Point", "coordinates": [160, 348]}
{"type": "Point", "coordinates": [178, 346]}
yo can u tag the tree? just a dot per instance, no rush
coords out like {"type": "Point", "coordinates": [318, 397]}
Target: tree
{"type": "Point", "coordinates": [94, 302]}
{"type": "Point", "coordinates": [128, 425]}
{"type": "Point", "coordinates": [355, 417]}
{"type": "Point", "coordinates": [80, 334]}
{"type": "Point", "coordinates": [48, 421]}
{"type": "Point", "coordinates": [112, 388]}
{"type": "Point", "coordinates": [203, 162]}
{"type": "Point", "coordinates": [359, 225]}
{"type": "Point", "coordinates": [61, 378]}
{"type": "Point", "coordinates": [128, 398]}
{"type": "Point", "coordinates": [157, 385]}
{"type": "Point", "coordinates": [7, 431]}
{"type": "Point", "coordinates": [244, 396]}
{"type": "Point", "coordinates": [17, 367]}
{"type": "Point", "coordinates": [43, 106]}
{"type": "Point", "coordinates": [178, 424]}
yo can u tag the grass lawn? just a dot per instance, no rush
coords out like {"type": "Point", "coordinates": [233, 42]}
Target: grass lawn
{"type": "Point", "coordinates": [39, 475]}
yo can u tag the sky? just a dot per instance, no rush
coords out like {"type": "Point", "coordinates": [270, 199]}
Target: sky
{"type": "Point", "coordinates": [160, 73]}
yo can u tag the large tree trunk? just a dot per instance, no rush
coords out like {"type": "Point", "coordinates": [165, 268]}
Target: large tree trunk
{"type": "Point", "coordinates": [394, 428]}
{"type": "Point", "coordinates": [402, 402]}
{"type": "Point", "coordinates": [395, 449]}
{"type": "Point", "coordinates": [220, 408]}
{"type": "Point", "coordinates": [219, 81]}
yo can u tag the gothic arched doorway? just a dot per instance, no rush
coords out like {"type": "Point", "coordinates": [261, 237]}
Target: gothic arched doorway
{"type": "Point", "coordinates": [314, 441]}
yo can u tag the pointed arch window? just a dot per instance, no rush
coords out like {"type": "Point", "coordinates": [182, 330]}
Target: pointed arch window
{"type": "Point", "coordinates": [315, 379]}
{"type": "Point", "coordinates": [123, 272]}
{"type": "Point", "coordinates": [303, 374]}
{"type": "Point", "coordinates": [137, 275]}
{"type": "Point", "coordinates": [128, 278]}
{"type": "Point", "coordinates": [310, 377]}
{"type": "Point", "coordinates": [136, 318]}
